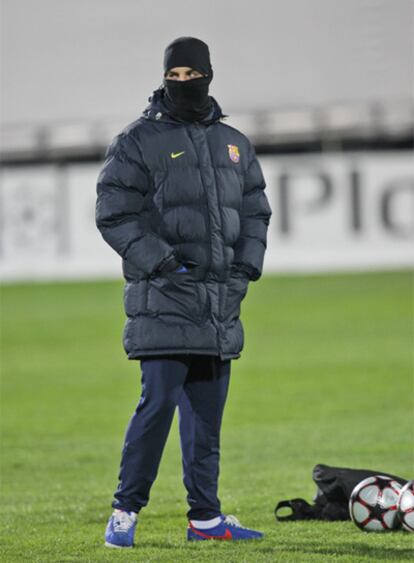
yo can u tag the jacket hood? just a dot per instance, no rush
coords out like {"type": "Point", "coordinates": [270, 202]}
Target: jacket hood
{"type": "Point", "coordinates": [157, 110]}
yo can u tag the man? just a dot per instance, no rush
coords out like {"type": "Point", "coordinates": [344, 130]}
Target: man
{"type": "Point", "coordinates": [181, 198]}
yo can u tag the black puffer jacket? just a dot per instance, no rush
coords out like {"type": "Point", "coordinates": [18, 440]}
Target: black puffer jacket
{"type": "Point", "coordinates": [194, 192]}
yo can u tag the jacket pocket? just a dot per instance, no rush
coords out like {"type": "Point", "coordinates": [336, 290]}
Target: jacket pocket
{"type": "Point", "coordinates": [235, 290]}
{"type": "Point", "coordinates": [178, 296]}
{"type": "Point", "coordinates": [135, 298]}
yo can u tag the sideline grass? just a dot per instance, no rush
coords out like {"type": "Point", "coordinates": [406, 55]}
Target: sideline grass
{"type": "Point", "coordinates": [326, 376]}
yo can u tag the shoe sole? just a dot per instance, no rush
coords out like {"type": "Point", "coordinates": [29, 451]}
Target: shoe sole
{"type": "Point", "coordinates": [112, 545]}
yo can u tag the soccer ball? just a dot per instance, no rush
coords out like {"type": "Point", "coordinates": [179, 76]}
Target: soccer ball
{"type": "Point", "coordinates": [405, 506]}
{"type": "Point", "coordinates": [373, 504]}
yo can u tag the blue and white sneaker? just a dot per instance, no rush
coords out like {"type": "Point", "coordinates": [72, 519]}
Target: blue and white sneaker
{"type": "Point", "coordinates": [120, 530]}
{"type": "Point", "coordinates": [228, 528]}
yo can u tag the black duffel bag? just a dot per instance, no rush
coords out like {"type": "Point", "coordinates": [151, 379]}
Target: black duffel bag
{"type": "Point", "coordinates": [334, 488]}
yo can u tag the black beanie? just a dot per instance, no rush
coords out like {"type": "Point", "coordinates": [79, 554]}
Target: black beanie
{"type": "Point", "coordinates": [188, 51]}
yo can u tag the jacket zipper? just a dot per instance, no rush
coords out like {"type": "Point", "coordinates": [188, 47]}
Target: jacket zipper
{"type": "Point", "coordinates": [210, 254]}
{"type": "Point", "coordinates": [213, 319]}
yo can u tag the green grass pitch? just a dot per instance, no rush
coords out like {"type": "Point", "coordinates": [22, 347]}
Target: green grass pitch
{"type": "Point", "coordinates": [326, 376]}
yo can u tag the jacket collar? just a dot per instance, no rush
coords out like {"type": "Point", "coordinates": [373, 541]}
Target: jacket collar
{"type": "Point", "coordinates": [157, 110]}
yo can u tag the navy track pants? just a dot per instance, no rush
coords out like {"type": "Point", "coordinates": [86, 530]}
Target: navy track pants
{"type": "Point", "coordinates": [198, 385]}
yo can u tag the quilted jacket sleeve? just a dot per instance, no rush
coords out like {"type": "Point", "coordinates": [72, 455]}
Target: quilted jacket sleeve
{"type": "Point", "coordinates": [255, 216]}
{"type": "Point", "coordinates": [122, 185]}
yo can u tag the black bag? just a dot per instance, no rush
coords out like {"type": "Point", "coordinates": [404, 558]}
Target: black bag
{"type": "Point", "coordinates": [334, 488]}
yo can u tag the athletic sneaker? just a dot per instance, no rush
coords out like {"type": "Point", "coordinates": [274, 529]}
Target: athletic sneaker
{"type": "Point", "coordinates": [229, 528]}
{"type": "Point", "coordinates": [121, 529]}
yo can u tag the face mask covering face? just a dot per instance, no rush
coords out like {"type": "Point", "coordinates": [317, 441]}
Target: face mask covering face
{"type": "Point", "coordinates": [188, 99]}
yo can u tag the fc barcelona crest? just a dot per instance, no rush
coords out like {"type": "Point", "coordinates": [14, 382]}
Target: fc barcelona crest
{"type": "Point", "coordinates": [234, 153]}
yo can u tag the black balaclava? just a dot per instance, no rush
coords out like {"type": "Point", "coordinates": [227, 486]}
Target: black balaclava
{"type": "Point", "coordinates": [188, 99]}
